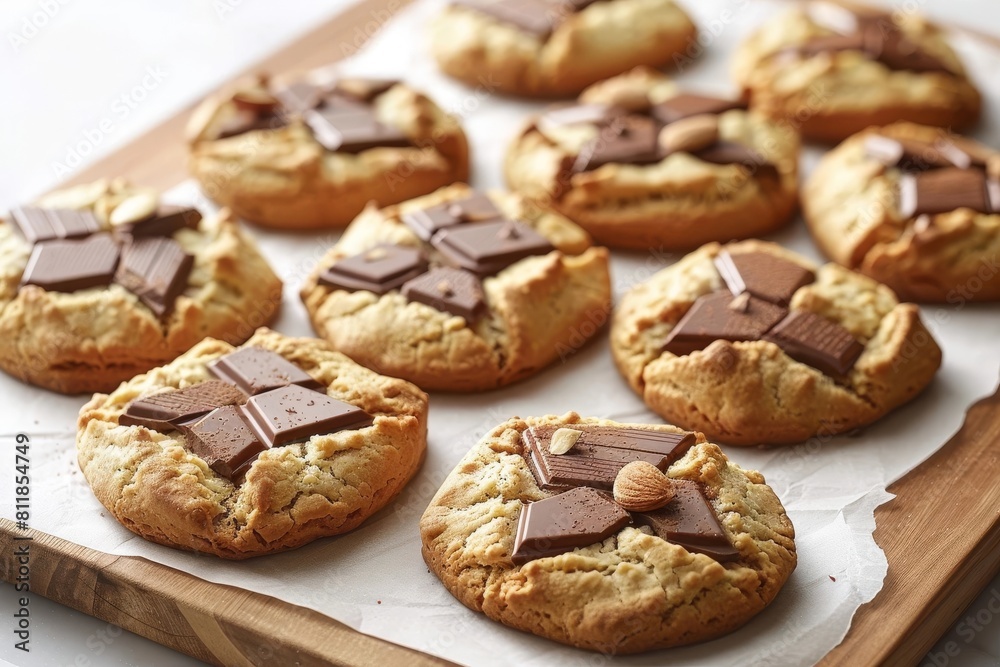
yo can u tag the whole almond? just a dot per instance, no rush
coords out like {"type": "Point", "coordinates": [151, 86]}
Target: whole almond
{"type": "Point", "coordinates": [690, 134]}
{"type": "Point", "coordinates": [136, 207]}
{"type": "Point", "coordinates": [642, 487]}
{"type": "Point", "coordinates": [563, 440]}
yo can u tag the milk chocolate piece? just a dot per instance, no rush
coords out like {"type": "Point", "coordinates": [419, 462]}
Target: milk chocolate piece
{"type": "Point", "coordinates": [454, 291]}
{"type": "Point", "coordinates": [577, 518]}
{"type": "Point", "coordinates": [686, 105]}
{"type": "Point", "coordinates": [47, 224]}
{"type": "Point", "coordinates": [299, 97]}
{"type": "Point", "coordinates": [352, 131]}
{"type": "Point", "coordinates": [256, 370]}
{"type": "Point", "coordinates": [816, 341]}
{"type": "Point", "coordinates": [689, 520]}
{"type": "Point", "coordinates": [165, 222]}
{"type": "Point", "coordinates": [763, 275]}
{"type": "Point", "coordinates": [711, 318]}
{"type": "Point", "coordinates": [364, 89]}
{"type": "Point", "coordinates": [291, 414]}
{"type": "Point", "coordinates": [380, 269]}
{"type": "Point", "coordinates": [943, 191]}
{"type": "Point", "coordinates": [155, 269]}
{"type": "Point", "coordinates": [537, 17]}
{"type": "Point", "coordinates": [71, 265]}
{"type": "Point", "coordinates": [224, 440]}
{"type": "Point", "coordinates": [599, 453]}
{"type": "Point", "coordinates": [486, 248]}
{"type": "Point", "coordinates": [165, 411]}
{"type": "Point", "coordinates": [425, 223]}
{"type": "Point", "coordinates": [627, 140]}
{"type": "Point", "coordinates": [912, 155]}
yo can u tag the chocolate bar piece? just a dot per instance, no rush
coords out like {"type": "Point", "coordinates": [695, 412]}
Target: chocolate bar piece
{"type": "Point", "coordinates": [913, 155]}
{"type": "Point", "coordinates": [943, 191]}
{"type": "Point", "coordinates": [763, 275]}
{"type": "Point", "coordinates": [731, 152]}
{"type": "Point", "coordinates": [685, 105]}
{"type": "Point", "coordinates": [71, 265]}
{"type": "Point", "coordinates": [537, 17]}
{"type": "Point", "coordinates": [629, 139]}
{"type": "Point", "coordinates": [163, 412]}
{"type": "Point", "coordinates": [352, 131]}
{"type": "Point", "coordinates": [165, 222]}
{"type": "Point", "coordinates": [380, 269]}
{"type": "Point", "coordinates": [224, 440]}
{"type": "Point", "coordinates": [299, 96]}
{"type": "Point", "coordinates": [364, 89]}
{"type": "Point", "coordinates": [47, 224]}
{"type": "Point", "coordinates": [454, 291]}
{"type": "Point", "coordinates": [689, 520]}
{"type": "Point", "coordinates": [577, 518]}
{"type": "Point", "coordinates": [486, 248]}
{"type": "Point", "coordinates": [817, 341]}
{"type": "Point", "coordinates": [155, 269]}
{"type": "Point", "coordinates": [599, 453]}
{"type": "Point", "coordinates": [720, 316]}
{"type": "Point", "coordinates": [256, 370]}
{"type": "Point", "coordinates": [425, 223]}
{"type": "Point", "coordinates": [293, 413]}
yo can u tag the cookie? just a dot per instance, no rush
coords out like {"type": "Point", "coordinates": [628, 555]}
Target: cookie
{"type": "Point", "coordinates": [555, 48]}
{"type": "Point", "coordinates": [831, 72]}
{"type": "Point", "coordinates": [616, 538]}
{"type": "Point", "coordinates": [750, 343]}
{"type": "Point", "coordinates": [914, 207]}
{"type": "Point", "coordinates": [459, 290]}
{"type": "Point", "coordinates": [309, 154]}
{"type": "Point", "coordinates": [246, 452]}
{"type": "Point", "coordinates": [640, 164]}
{"type": "Point", "coordinates": [101, 282]}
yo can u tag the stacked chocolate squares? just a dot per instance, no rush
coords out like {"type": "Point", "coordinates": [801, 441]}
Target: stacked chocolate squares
{"type": "Point", "coordinates": [71, 251]}
{"type": "Point", "coordinates": [584, 511]}
{"type": "Point", "coordinates": [755, 307]}
{"type": "Point", "coordinates": [939, 177]}
{"type": "Point", "coordinates": [648, 133]}
{"type": "Point", "coordinates": [467, 240]}
{"type": "Point", "coordinates": [341, 118]}
{"type": "Point", "coordinates": [259, 401]}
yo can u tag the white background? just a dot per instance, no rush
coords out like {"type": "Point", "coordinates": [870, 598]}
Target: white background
{"type": "Point", "coordinates": [81, 78]}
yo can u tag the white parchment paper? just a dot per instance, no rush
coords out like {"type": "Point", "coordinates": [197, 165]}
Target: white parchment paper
{"type": "Point", "coordinates": [374, 579]}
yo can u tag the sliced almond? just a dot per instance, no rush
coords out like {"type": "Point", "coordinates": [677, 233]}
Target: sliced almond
{"type": "Point", "coordinates": [78, 196]}
{"type": "Point", "coordinates": [141, 206]}
{"type": "Point", "coordinates": [563, 440]}
{"type": "Point", "coordinates": [690, 134]}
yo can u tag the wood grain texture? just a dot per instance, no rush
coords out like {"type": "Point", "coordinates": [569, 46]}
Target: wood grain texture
{"type": "Point", "coordinates": [219, 624]}
{"type": "Point", "coordinates": [941, 537]}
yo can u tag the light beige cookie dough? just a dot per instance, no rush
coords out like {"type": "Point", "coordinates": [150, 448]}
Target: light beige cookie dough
{"type": "Point", "coordinates": [677, 203]}
{"type": "Point", "coordinates": [605, 38]}
{"type": "Point", "coordinates": [631, 592]}
{"type": "Point", "coordinates": [747, 393]}
{"type": "Point", "coordinates": [159, 489]}
{"type": "Point", "coordinates": [834, 94]}
{"type": "Point", "coordinates": [539, 309]}
{"type": "Point", "coordinates": [92, 339]}
{"type": "Point", "coordinates": [282, 177]}
{"type": "Point", "coordinates": [852, 205]}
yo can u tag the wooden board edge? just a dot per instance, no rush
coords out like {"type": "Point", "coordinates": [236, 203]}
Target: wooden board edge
{"type": "Point", "coordinates": [222, 625]}
{"type": "Point", "coordinates": [944, 571]}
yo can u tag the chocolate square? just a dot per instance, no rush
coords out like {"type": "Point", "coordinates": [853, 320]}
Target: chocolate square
{"type": "Point", "coordinates": [486, 248]}
{"type": "Point", "coordinates": [71, 265]}
{"type": "Point", "coordinates": [764, 275]}
{"type": "Point", "coordinates": [224, 440]}
{"type": "Point", "coordinates": [454, 291]}
{"type": "Point", "coordinates": [686, 105]}
{"type": "Point", "coordinates": [816, 341]}
{"type": "Point", "coordinates": [255, 370]}
{"type": "Point", "coordinates": [720, 316]}
{"type": "Point", "coordinates": [292, 414]}
{"type": "Point", "coordinates": [380, 269]}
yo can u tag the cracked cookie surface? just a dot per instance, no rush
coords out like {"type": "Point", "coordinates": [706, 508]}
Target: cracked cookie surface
{"type": "Point", "coordinates": [92, 339]}
{"type": "Point", "coordinates": [603, 39]}
{"type": "Point", "coordinates": [677, 203]}
{"type": "Point", "coordinates": [630, 592]}
{"type": "Point", "coordinates": [834, 94]}
{"type": "Point", "coordinates": [539, 309]}
{"type": "Point", "coordinates": [851, 203]}
{"type": "Point", "coordinates": [752, 392]}
{"type": "Point", "coordinates": [158, 488]}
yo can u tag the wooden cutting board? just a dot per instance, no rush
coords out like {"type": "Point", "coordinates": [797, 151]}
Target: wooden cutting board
{"type": "Point", "coordinates": [941, 534]}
